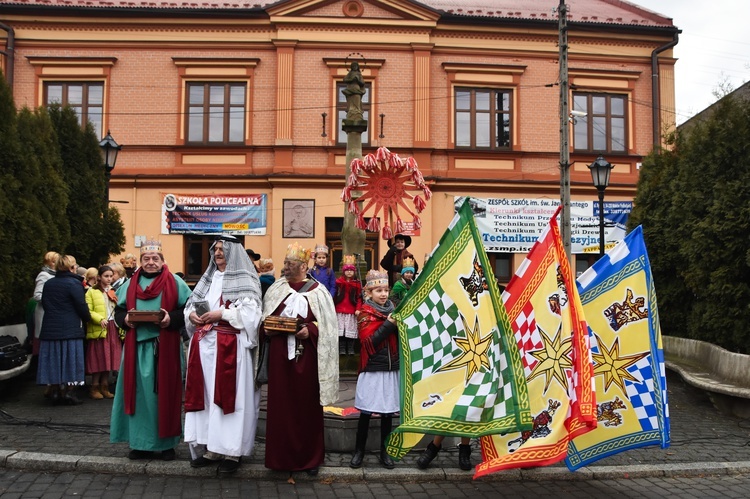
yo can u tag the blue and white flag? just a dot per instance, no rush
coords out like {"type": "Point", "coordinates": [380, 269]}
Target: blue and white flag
{"type": "Point", "coordinates": [618, 298]}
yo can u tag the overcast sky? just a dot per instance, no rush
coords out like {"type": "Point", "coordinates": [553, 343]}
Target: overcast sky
{"type": "Point", "coordinates": [714, 47]}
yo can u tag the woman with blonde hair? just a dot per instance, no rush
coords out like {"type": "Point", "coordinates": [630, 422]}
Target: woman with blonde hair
{"type": "Point", "coordinates": [47, 273]}
{"type": "Point", "coordinates": [61, 336]}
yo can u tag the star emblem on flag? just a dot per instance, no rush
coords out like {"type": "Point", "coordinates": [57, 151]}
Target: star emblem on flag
{"type": "Point", "coordinates": [473, 351]}
{"type": "Point", "coordinates": [554, 359]}
{"type": "Point", "coordinates": [612, 366]}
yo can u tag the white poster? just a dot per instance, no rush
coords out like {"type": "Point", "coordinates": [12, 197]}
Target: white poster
{"type": "Point", "coordinates": [512, 225]}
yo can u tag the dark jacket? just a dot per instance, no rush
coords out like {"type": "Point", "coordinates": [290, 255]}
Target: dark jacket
{"type": "Point", "coordinates": [65, 308]}
{"type": "Point", "coordinates": [393, 263]}
{"type": "Point", "coordinates": [382, 354]}
{"type": "Point", "coordinates": [265, 282]}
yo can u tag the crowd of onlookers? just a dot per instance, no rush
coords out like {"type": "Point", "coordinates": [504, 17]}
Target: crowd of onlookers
{"type": "Point", "coordinates": [77, 336]}
{"type": "Point", "coordinates": [127, 320]}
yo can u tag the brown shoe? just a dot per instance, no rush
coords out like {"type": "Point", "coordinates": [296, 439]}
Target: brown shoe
{"type": "Point", "coordinates": [95, 393]}
{"type": "Point", "coordinates": [105, 391]}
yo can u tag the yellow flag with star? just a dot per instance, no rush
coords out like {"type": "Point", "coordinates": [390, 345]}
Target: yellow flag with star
{"type": "Point", "coordinates": [461, 372]}
{"type": "Point", "coordinates": [551, 332]}
{"type": "Point", "coordinates": [619, 298]}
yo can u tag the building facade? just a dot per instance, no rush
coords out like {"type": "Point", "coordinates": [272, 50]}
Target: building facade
{"type": "Point", "coordinates": [235, 107]}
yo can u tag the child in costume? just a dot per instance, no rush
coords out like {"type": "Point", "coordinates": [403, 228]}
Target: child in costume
{"type": "Point", "coordinates": [378, 381]}
{"type": "Point", "coordinates": [348, 300]}
{"type": "Point", "coordinates": [404, 284]}
{"type": "Point", "coordinates": [265, 274]}
{"type": "Point", "coordinates": [321, 272]}
{"type": "Point", "coordinates": [103, 346]}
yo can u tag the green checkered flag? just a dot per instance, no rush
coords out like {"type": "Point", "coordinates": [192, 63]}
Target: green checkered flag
{"type": "Point", "coordinates": [461, 372]}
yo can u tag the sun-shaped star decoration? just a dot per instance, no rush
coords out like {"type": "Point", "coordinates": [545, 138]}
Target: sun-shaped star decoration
{"type": "Point", "coordinates": [613, 367]}
{"type": "Point", "coordinates": [385, 180]}
{"type": "Point", "coordinates": [474, 351]}
{"type": "Point", "coordinates": [553, 359]}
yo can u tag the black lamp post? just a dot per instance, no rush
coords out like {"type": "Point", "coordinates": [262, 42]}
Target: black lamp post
{"type": "Point", "coordinates": [600, 170]}
{"type": "Point", "coordinates": [109, 148]}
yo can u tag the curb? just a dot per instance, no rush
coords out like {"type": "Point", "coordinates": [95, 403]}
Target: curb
{"type": "Point", "coordinates": [37, 461]}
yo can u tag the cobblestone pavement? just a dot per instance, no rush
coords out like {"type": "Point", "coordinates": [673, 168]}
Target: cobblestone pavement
{"type": "Point", "coordinates": [38, 436]}
{"type": "Point", "coordinates": [18, 484]}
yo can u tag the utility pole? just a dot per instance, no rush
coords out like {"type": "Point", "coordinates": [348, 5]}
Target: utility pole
{"type": "Point", "coordinates": [562, 13]}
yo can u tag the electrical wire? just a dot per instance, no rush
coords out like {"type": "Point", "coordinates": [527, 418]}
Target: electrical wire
{"type": "Point", "coordinates": [8, 419]}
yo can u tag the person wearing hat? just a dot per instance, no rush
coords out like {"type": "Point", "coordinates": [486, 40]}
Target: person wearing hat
{"type": "Point", "coordinates": [253, 256]}
{"type": "Point", "coordinates": [404, 284]}
{"type": "Point", "coordinates": [303, 365]}
{"type": "Point", "coordinates": [321, 272]}
{"type": "Point", "coordinates": [378, 380]}
{"type": "Point", "coordinates": [147, 408]}
{"type": "Point", "coordinates": [394, 257]}
{"type": "Point", "coordinates": [222, 318]}
{"type": "Point", "coordinates": [348, 300]}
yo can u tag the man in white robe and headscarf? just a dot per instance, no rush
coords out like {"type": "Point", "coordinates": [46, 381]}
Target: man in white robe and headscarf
{"type": "Point", "coordinates": [221, 399]}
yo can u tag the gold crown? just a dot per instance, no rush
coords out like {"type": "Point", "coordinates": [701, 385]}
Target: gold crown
{"type": "Point", "coordinates": [296, 252]}
{"type": "Point", "coordinates": [350, 260]}
{"type": "Point", "coordinates": [376, 278]}
{"type": "Point", "coordinates": [407, 262]}
{"type": "Point", "coordinates": [151, 245]}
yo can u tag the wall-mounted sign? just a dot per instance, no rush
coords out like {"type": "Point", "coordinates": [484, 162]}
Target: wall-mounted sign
{"type": "Point", "coordinates": [242, 214]}
{"type": "Point", "coordinates": [512, 225]}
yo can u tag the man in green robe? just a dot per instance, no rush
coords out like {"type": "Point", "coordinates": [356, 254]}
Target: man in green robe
{"type": "Point", "coordinates": [147, 405]}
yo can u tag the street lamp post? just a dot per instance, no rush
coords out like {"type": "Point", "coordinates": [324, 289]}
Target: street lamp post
{"type": "Point", "coordinates": [109, 148]}
{"type": "Point", "coordinates": [600, 170]}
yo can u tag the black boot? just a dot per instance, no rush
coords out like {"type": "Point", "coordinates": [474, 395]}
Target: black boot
{"type": "Point", "coordinates": [464, 457]}
{"type": "Point", "coordinates": [428, 455]}
{"type": "Point", "coordinates": [386, 425]}
{"type": "Point", "coordinates": [363, 426]}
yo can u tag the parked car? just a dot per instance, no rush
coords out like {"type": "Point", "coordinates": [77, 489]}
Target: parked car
{"type": "Point", "coordinates": [15, 359]}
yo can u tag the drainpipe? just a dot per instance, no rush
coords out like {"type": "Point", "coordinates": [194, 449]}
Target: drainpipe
{"type": "Point", "coordinates": [655, 97]}
{"type": "Point", "coordinates": [10, 53]}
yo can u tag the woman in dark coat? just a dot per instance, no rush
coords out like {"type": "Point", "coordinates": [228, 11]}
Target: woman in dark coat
{"type": "Point", "coordinates": [61, 337]}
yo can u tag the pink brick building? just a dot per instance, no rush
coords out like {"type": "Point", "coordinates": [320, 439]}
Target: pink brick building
{"type": "Point", "coordinates": [227, 98]}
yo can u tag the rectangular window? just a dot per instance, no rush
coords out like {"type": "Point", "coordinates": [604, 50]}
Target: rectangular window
{"type": "Point", "coordinates": [603, 127]}
{"type": "Point", "coordinates": [216, 113]}
{"type": "Point", "coordinates": [341, 113]}
{"type": "Point", "coordinates": [483, 118]}
{"type": "Point", "coordinates": [86, 99]}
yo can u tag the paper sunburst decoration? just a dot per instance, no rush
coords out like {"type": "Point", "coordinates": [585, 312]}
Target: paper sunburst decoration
{"type": "Point", "coordinates": [386, 181]}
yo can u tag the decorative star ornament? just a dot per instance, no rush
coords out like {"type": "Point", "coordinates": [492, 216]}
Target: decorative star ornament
{"type": "Point", "coordinates": [386, 182]}
{"type": "Point", "coordinates": [474, 351]}
{"type": "Point", "coordinates": [613, 367]}
{"type": "Point", "coordinates": [553, 359]}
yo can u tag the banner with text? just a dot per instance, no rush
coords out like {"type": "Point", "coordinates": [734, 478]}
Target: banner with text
{"type": "Point", "coordinates": [512, 225]}
{"type": "Point", "coordinates": [241, 214]}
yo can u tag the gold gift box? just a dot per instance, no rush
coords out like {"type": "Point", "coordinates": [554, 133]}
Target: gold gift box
{"type": "Point", "coordinates": [281, 324]}
{"type": "Point", "coordinates": [145, 316]}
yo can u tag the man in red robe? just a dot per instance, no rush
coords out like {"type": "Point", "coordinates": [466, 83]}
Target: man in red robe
{"type": "Point", "coordinates": [302, 367]}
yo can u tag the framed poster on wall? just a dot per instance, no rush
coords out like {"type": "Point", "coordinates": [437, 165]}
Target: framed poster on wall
{"type": "Point", "coordinates": [299, 218]}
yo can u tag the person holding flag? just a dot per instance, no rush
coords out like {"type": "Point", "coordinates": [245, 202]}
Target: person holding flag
{"type": "Point", "coordinates": [378, 380]}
